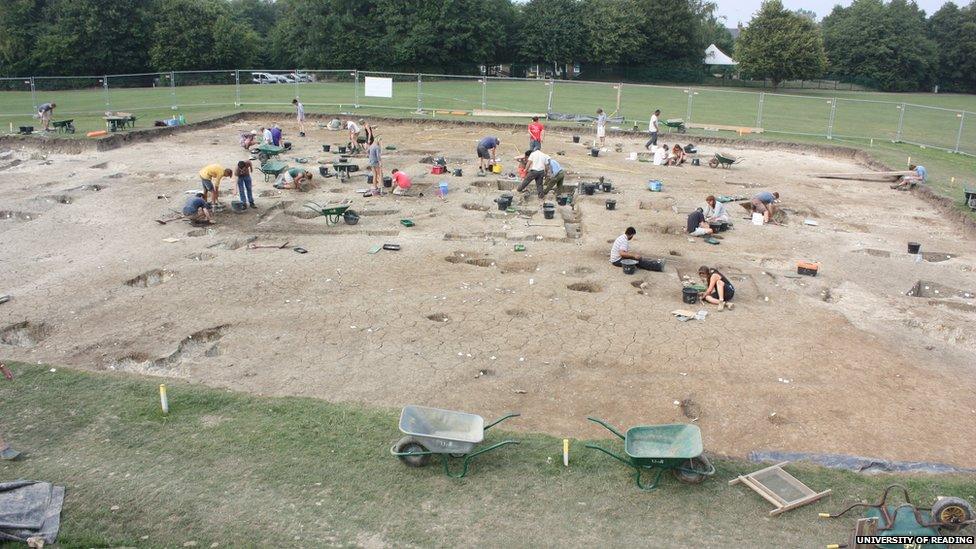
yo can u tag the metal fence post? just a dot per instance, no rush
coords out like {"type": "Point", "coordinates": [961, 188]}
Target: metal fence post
{"type": "Point", "coordinates": [33, 93]}
{"type": "Point", "coordinates": [962, 120]}
{"type": "Point", "coordinates": [552, 87]}
{"type": "Point", "coordinates": [356, 74]}
{"type": "Point", "coordinates": [691, 94]}
{"type": "Point", "coordinates": [484, 92]}
{"type": "Point", "coordinates": [108, 99]}
{"type": "Point", "coordinates": [901, 122]}
{"type": "Point", "coordinates": [830, 118]}
{"type": "Point", "coordinates": [420, 94]}
{"type": "Point", "coordinates": [172, 89]}
{"type": "Point", "coordinates": [762, 99]}
{"type": "Point", "coordinates": [237, 87]}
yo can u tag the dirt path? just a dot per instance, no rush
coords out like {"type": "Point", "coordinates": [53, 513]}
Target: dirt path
{"type": "Point", "coordinates": [845, 362]}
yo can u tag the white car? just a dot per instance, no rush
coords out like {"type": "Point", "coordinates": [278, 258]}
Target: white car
{"type": "Point", "coordinates": [267, 78]}
{"type": "Point", "coordinates": [301, 77]}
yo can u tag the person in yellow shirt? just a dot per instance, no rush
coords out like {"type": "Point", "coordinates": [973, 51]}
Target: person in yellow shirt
{"type": "Point", "coordinates": [210, 178]}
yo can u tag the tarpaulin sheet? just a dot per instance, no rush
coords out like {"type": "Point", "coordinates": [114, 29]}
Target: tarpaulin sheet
{"type": "Point", "coordinates": [858, 463]}
{"type": "Point", "coordinates": [582, 117]}
{"type": "Point", "coordinates": [29, 508]}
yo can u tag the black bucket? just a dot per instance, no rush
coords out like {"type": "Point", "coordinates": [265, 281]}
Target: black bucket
{"type": "Point", "coordinates": [458, 172]}
{"type": "Point", "coordinates": [326, 148]}
{"type": "Point", "coordinates": [562, 199]}
{"type": "Point", "coordinates": [342, 149]}
{"type": "Point", "coordinates": [549, 210]}
{"type": "Point", "coordinates": [656, 265]}
{"type": "Point", "coordinates": [607, 187]}
{"type": "Point", "coordinates": [324, 171]}
{"type": "Point", "coordinates": [629, 266]}
{"type": "Point", "coordinates": [695, 162]}
{"type": "Point", "coordinates": [287, 145]}
{"type": "Point", "coordinates": [594, 152]}
{"type": "Point", "coordinates": [689, 295]}
{"type": "Point", "coordinates": [504, 201]}
{"type": "Point", "coordinates": [387, 181]}
{"type": "Point", "coordinates": [611, 204]}
{"type": "Point", "coordinates": [589, 189]}
{"type": "Point", "coordinates": [914, 247]}
{"type": "Point", "coordinates": [576, 139]}
{"type": "Point", "coordinates": [719, 227]}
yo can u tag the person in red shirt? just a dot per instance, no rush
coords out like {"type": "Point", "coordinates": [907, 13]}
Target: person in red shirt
{"type": "Point", "coordinates": [536, 129]}
{"type": "Point", "coordinates": [401, 182]}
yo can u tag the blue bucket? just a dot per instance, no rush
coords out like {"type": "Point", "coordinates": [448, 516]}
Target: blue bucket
{"type": "Point", "coordinates": [655, 185]}
{"type": "Point", "coordinates": [443, 188]}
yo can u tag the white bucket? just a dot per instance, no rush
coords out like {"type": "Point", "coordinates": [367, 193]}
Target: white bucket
{"type": "Point", "coordinates": [757, 218]}
{"type": "Point", "coordinates": [633, 156]}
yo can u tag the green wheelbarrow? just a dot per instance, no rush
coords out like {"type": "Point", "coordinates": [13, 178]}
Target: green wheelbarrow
{"type": "Point", "coordinates": [448, 433]}
{"type": "Point", "coordinates": [334, 212]}
{"type": "Point", "coordinates": [272, 169]}
{"type": "Point", "coordinates": [676, 447]}
{"type": "Point", "coordinates": [724, 160]}
{"type": "Point", "coordinates": [676, 124]}
{"type": "Point", "coordinates": [267, 151]}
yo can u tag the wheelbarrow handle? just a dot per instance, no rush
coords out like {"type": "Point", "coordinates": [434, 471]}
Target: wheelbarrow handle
{"type": "Point", "coordinates": [501, 419]}
{"type": "Point", "coordinates": [609, 453]}
{"type": "Point", "coordinates": [445, 458]}
{"type": "Point", "coordinates": [608, 426]}
{"type": "Point", "coordinates": [313, 206]}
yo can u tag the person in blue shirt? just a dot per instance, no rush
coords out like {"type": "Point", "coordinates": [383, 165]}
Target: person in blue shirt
{"type": "Point", "coordinates": [487, 149]}
{"type": "Point", "coordinates": [276, 135]}
{"type": "Point", "coordinates": [555, 174]}
{"type": "Point", "coordinates": [907, 182]}
{"type": "Point", "coordinates": [198, 210]}
{"type": "Point", "coordinates": [763, 203]}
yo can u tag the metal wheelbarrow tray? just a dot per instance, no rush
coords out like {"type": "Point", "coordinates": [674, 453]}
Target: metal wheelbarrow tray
{"type": "Point", "coordinates": [332, 212]}
{"type": "Point", "coordinates": [272, 169]}
{"type": "Point", "coordinates": [266, 151]}
{"type": "Point", "coordinates": [675, 446]}
{"type": "Point", "coordinates": [448, 433]}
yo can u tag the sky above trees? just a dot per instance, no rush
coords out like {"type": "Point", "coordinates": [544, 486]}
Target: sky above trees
{"type": "Point", "coordinates": [736, 11]}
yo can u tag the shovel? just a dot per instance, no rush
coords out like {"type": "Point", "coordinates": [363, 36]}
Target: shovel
{"type": "Point", "coordinates": [267, 246]}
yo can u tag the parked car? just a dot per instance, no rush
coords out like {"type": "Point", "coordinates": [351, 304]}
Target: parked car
{"type": "Point", "coordinates": [267, 78]}
{"type": "Point", "coordinates": [301, 77]}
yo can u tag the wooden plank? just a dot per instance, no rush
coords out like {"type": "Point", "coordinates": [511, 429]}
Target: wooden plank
{"type": "Point", "coordinates": [799, 503]}
{"type": "Point", "coordinates": [724, 127]}
{"type": "Point", "coordinates": [738, 479]}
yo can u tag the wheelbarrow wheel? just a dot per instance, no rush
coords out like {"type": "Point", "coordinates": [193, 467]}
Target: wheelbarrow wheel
{"type": "Point", "coordinates": [686, 473]}
{"type": "Point", "coordinates": [713, 163]}
{"type": "Point", "coordinates": [410, 444]}
{"type": "Point", "coordinates": [952, 513]}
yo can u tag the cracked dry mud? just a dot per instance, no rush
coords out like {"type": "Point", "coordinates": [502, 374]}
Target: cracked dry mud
{"type": "Point", "coordinates": [556, 321]}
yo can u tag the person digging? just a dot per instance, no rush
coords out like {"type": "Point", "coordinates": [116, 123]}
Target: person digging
{"type": "Point", "coordinates": [719, 290]}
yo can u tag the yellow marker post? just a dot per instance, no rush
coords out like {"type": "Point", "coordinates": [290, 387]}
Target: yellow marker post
{"type": "Point", "coordinates": [566, 452]}
{"type": "Point", "coordinates": [163, 401]}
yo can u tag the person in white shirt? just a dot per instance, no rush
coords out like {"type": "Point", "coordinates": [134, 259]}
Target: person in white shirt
{"type": "Point", "coordinates": [535, 164]}
{"type": "Point", "coordinates": [661, 155]}
{"type": "Point", "coordinates": [299, 115]}
{"type": "Point", "coordinates": [621, 248]}
{"type": "Point", "coordinates": [652, 128]}
{"type": "Point", "coordinates": [354, 130]}
{"type": "Point", "coordinates": [715, 211]}
{"type": "Point", "coordinates": [266, 136]}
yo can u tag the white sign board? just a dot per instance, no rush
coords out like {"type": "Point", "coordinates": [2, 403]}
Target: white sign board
{"type": "Point", "coordinates": [379, 87]}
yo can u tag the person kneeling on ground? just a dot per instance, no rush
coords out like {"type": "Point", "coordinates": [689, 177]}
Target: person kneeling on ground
{"type": "Point", "coordinates": [715, 211]}
{"type": "Point", "coordinates": [763, 203]}
{"type": "Point", "coordinates": [719, 290]}
{"type": "Point", "coordinates": [661, 155]}
{"type": "Point", "coordinates": [210, 177]}
{"type": "Point", "coordinates": [907, 182]}
{"type": "Point", "coordinates": [677, 156]}
{"type": "Point", "coordinates": [401, 182]}
{"type": "Point", "coordinates": [697, 226]}
{"type": "Point", "coordinates": [621, 248]}
{"type": "Point", "coordinates": [198, 210]}
{"type": "Point", "coordinates": [249, 139]}
{"type": "Point", "coordinates": [292, 179]}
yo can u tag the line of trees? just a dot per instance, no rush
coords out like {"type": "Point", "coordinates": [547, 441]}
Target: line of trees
{"type": "Point", "coordinates": [890, 46]}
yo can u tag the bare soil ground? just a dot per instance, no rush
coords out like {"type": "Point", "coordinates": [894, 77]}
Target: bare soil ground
{"type": "Point", "coordinates": [847, 362]}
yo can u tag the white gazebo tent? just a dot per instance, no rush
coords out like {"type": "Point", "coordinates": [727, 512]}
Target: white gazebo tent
{"type": "Point", "coordinates": [715, 56]}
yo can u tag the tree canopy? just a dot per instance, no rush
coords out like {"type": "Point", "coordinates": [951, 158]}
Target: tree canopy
{"type": "Point", "coordinates": [780, 45]}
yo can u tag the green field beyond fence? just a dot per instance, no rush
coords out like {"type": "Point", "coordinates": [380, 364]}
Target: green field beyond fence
{"type": "Point", "coordinates": [946, 122]}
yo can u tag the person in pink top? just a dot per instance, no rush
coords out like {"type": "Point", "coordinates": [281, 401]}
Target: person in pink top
{"type": "Point", "coordinates": [536, 129]}
{"type": "Point", "coordinates": [401, 182]}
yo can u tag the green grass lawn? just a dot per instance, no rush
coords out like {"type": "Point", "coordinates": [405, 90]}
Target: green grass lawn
{"type": "Point", "coordinates": [241, 470]}
{"type": "Point", "coordinates": [863, 119]}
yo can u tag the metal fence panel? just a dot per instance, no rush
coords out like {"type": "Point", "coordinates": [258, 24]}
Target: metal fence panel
{"type": "Point", "coordinates": [265, 88]}
{"type": "Point", "coordinates": [327, 88]}
{"type": "Point", "coordinates": [16, 100]}
{"type": "Point", "coordinates": [796, 114]}
{"type": "Point", "coordinates": [724, 108]}
{"type": "Point", "coordinates": [518, 95]}
{"type": "Point", "coordinates": [450, 93]}
{"type": "Point", "coordinates": [862, 119]}
{"type": "Point", "coordinates": [206, 89]}
{"type": "Point", "coordinates": [574, 97]}
{"type": "Point", "coordinates": [931, 126]}
{"type": "Point", "coordinates": [967, 137]}
{"type": "Point", "coordinates": [141, 92]}
{"type": "Point", "coordinates": [638, 102]}
{"type": "Point", "coordinates": [75, 96]}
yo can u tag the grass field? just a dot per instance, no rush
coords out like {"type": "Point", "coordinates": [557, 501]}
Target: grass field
{"type": "Point", "coordinates": [241, 470]}
{"type": "Point", "coordinates": [862, 119]}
